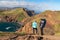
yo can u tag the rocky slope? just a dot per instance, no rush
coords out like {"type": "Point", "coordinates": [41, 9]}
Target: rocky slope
{"type": "Point", "coordinates": [21, 15]}
{"type": "Point", "coordinates": [27, 17]}
{"type": "Point", "coordinates": [52, 25]}
{"type": "Point", "coordinates": [16, 14]}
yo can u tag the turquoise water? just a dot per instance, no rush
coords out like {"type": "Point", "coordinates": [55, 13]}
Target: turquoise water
{"type": "Point", "coordinates": [9, 26]}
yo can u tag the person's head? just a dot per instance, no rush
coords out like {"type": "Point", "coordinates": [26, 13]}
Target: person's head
{"type": "Point", "coordinates": [35, 21]}
{"type": "Point", "coordinates": [43, 19]}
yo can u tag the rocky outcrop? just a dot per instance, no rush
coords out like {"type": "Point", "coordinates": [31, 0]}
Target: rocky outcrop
{"type": "Point", "coordinates": [29, 12]}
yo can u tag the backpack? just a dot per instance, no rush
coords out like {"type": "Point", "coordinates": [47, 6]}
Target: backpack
{"type": "Point", "coordinates": [42, 23]}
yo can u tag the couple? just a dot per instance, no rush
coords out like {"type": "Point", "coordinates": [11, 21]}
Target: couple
{"type": "Point", "coordinates": [41, 25]}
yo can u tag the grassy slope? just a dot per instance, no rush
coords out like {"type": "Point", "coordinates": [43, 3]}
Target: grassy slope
{"type": "Point", "coordinates": [52, 17]}
{"type": "Point", "coordinates": [53, 22]}
{"type": "Point", "coordinates": [17, 13]}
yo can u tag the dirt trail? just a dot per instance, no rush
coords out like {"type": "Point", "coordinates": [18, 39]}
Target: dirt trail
{"type": "Point", "coordinates": [52, 37]}
{"type": "Point", "coordinates": [27, 27]}
{"type": "Point", "coordinates": [31, 37]}
{"type": "Point", "coordinates": [48, 37]}
{"type": "Point", "coordinates": [45, 37]}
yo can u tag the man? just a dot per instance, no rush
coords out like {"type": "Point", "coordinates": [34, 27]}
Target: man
{"type": "Point", "coordinates": [34, 26]}
{"type": "Point", "coordinates": [42, 25]}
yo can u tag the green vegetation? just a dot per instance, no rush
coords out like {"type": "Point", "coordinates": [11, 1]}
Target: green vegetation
{"type": "Point", "coordinates": [53, 21]}
{"type": "Point", "coordinates": [57, 29]}
{"type": "Point", "coordinates": [18, 14]}
{"type": "Point", "coordinates": [52, 17]}
{"type": "Point", "coordinates": [21, 17]}
{"type": "Point", "coordinates": [10, 33]}
{"type": "Point", "coordinates": [21, 33]}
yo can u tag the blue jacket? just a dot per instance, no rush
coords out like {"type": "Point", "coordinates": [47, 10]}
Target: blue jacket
{"type": "Point", "coordinates": [34, 25]}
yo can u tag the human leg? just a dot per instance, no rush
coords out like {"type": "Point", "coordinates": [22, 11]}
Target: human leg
{"type": "Point", "coordinates": [41, 31]}
{"type": "Point", "coordinates": [33, 30]}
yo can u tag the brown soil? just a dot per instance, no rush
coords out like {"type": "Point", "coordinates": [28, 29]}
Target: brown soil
{"type": "Point", "coordinates": [30, 37]}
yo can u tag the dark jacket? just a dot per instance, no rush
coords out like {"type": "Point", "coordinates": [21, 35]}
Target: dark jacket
{"type": "Point", "coordinates": [42, 23]}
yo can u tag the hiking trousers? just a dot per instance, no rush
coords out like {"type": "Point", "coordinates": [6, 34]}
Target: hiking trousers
{"type": "Point", "coordinates": [34, 30]}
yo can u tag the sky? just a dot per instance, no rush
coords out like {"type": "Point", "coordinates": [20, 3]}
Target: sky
{"type": "Point", "coordinates": [37, 5]}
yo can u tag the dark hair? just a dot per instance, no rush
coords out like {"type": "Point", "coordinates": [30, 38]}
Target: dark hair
{"type": "Point", "coordinates": [42, 19]}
